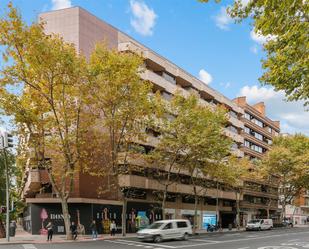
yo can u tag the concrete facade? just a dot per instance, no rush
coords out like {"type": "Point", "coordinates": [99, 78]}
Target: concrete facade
{"type": "Point", "coordinates": [84, 30]}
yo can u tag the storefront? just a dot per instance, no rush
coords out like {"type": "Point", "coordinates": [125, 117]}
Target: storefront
{"type": "Point", "coordinates": [139, 215]}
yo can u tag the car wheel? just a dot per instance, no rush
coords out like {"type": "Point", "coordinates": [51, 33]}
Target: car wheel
{"type": "Point", "coordinates": [157, 239]}
{"type": "Point", "coordinates": [260, 228]}
{"type": "Point", "coordinates": [185, 236]}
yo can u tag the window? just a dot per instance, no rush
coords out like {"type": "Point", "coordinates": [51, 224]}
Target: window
{"type": "Point", "coordinates": [233, 114]}
{"type": "Point", "coordinates": [181, 224]}
{"type": "Point", "coordinates": [232, 129]}
{"type": "Point", "coordinates": [247, 143]}
{"type": "Point", "coordinates": [269, 129]}
{"type": "Point", "coordinates": [169, 77]}
{"type": "Point", "coordinates": [167, 96]}
{"type": "Point", "coordinates": [258, 136]}
{"type": "Point", "coordinates": [168, 226]}
{"type": "Point", "coordinates": [247, 130]}
{"type": "Point", "coordinates": [257, 122]}
{"type": "Point", "coordinates": [247, 116]}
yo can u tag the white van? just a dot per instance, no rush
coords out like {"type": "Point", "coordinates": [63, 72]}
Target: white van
{"type": "Point", "coordinates": [166, 229]}
{"type": "Point", "coordinates": [260, 224]}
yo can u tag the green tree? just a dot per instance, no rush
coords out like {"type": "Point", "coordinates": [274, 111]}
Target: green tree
{"type": "Point", "coordinates": [288, 162]}
{"type": "Point", "coordinates": [287, 53]}
{"type": "Point", "coordinates": [47, 110]}
{"type": "Point", "coordinates": [120, 98]}
{"type": "Point", "coordinates": [193, 141]}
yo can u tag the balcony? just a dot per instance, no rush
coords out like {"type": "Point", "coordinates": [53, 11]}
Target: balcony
{"type": "Point", "coordinates": [252, 152]}
{"type": "Point", "coordinates": [255, 140]}
{"type": "Point", "coordinates": [151, 184]}
{"type": "Point", "coordinates": [160, 63]}
{"type": "Point", "coordinates": [246, 204]}
{"type": "Point", "coordinates": [260, 193]}
{"type": "Point", "coordinates": [33, 182]}
{"type": "Point", "coordinates": [236, 122]}
{"type": "Point", "coordinates": [235, 136]}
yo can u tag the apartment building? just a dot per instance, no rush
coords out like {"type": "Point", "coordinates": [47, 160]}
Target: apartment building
{"type": "Point", "coordinates": [298, 211]}
{"type": "Point", "coordinates": [81, 28]}
{"type": "Point", "coordinates": [260, 199]}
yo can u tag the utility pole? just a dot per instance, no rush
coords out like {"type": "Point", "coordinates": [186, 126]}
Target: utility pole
{"type": "Point", "coordinates": [7, 197]}
{"type": "Point", "coordinates": [6, 142]}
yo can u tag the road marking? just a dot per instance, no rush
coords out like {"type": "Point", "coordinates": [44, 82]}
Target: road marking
{"type": "Point", "coordinates": [29, 246]}
{"type": "Point", "coordinates": [245, 239]}
{"type": "Point", "coordinates": [204, 240]}
{"type": "Point", "coordinates": [244, 247]}
{"type": "Point", "coordinates": [137, 243]}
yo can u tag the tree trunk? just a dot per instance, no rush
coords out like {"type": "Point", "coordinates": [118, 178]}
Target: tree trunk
{"type": "Point", "coordinates": [195, 210]}
{"type": "Point", "coordinates": [124, 213]}
{"type": "Point", "coordinates": [268, 208]}
{"type": "Point", "coordinates": [283, 211]}
{"type": "Point", "coordinates": [237, 210]}
{"type": "Point", "coordinates": [164, 201]}
{"type": "Point", "coordinates": [66, 217]}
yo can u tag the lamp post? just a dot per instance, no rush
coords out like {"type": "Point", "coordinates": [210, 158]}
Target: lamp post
{"type": "Point", "coordinates": [6, 142]}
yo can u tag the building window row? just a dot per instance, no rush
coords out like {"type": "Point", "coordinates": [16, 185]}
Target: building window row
{"type": "Point", "coordinates": [254, 147]}
{"type": "Point", "coordinates": [260, 123]}
{"type": "Point", "coordinates": [257, 135]}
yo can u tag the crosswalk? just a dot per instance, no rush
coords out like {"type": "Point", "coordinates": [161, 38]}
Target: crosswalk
{"type": "Point", "coordinates": [29, 246]}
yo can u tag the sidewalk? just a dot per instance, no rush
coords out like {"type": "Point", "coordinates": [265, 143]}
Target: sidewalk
{"type": "Point", "coordinates": [23, 237]}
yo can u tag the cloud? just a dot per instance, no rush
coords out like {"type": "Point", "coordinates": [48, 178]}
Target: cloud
{"type": "Point", "coordinates": [292, 115]}
{"type": "Point", "coordinates": [144, 18]}
{"type": "Point", "coordinates": [61, 4]}
{"type": "Point", "coordinates": [205, 76]}
{"type": "Point", "coordinates": [223, 20]}
{"type": "Point", "coordinates": [254, 49]}
{"type": "Point", "coordinates": [259, 38]}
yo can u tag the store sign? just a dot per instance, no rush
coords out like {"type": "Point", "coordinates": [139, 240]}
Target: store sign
{"type": "Point", "coordinates": [209, 219]}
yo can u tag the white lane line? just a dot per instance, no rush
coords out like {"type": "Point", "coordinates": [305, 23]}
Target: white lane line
{"type": "Point", "coordinates": [28, 246]}
{"type": "Point", "coordinates": [204, 240]}
{"type": "Point", "coordinates": [129, 242]}
{"type": "Point", "coordinates": [244, 247]}
{"type": "Point", "coordinates": [245, 239]}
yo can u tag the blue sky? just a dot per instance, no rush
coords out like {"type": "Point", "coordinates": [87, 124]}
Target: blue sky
{"type": "Point", "coordinates": [198, 37]}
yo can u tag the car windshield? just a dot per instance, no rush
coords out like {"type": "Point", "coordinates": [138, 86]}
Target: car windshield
{"type": "Point", "coordinates": [254, 221]}
{"type": "Point", "coordinates": [155, 225]}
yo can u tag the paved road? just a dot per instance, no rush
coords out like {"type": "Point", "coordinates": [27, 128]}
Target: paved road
{"type": "Point", "coordinates": [296, 238]}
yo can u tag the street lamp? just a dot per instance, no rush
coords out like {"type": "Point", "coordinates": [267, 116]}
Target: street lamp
{"type": "Point", "coordinates": [6, 141]}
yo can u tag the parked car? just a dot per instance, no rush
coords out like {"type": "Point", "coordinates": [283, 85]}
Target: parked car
{"type": "Point", "coordinates": [165, 230]}
{"type": "Point", "coordinates": [260, 224]}
{"type": "Point", "coordinates": [287, 223]}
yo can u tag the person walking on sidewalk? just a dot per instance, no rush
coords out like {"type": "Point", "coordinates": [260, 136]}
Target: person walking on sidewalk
{"type": "Point", "coordinates": [73, 229]}
{"type": "Point", "coordinates": [94, 230]}
{"type": "Point", "coordinates": [50, 231]}
{"type": "Point", "coordinates": [113, 228]}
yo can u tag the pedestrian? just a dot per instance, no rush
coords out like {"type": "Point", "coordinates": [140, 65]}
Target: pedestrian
{"type": "Point", "coordinates": [50, 231]}
{"type": "Point", "coordinates": [94, 230]}
{"type": "Point", "coordinates": [113, 228]}
{"type": "Point", "coordinates": [73, 229]}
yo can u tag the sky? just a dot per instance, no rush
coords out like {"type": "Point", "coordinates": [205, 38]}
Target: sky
{"type": "Point", "coordinates": [200, 38]}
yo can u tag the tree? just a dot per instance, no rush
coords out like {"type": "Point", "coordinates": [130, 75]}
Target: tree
{"type": "Point", "coordinates": [50, 75]}
{"type": "Point", "coordinates": [193, 142]}
{"type": "Point", "coordinates": [285, 23]}
{"type": "Point", "coordinates": [120, 99]}
{"type": "Point", "coordinates": [288, 162]}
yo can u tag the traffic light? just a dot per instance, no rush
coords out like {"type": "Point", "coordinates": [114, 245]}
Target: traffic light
{"type": "Point", "coordinates": [8, 140]}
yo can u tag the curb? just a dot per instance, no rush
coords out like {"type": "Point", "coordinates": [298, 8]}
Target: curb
{"type": "Point", "coordinates": [114, 238]}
